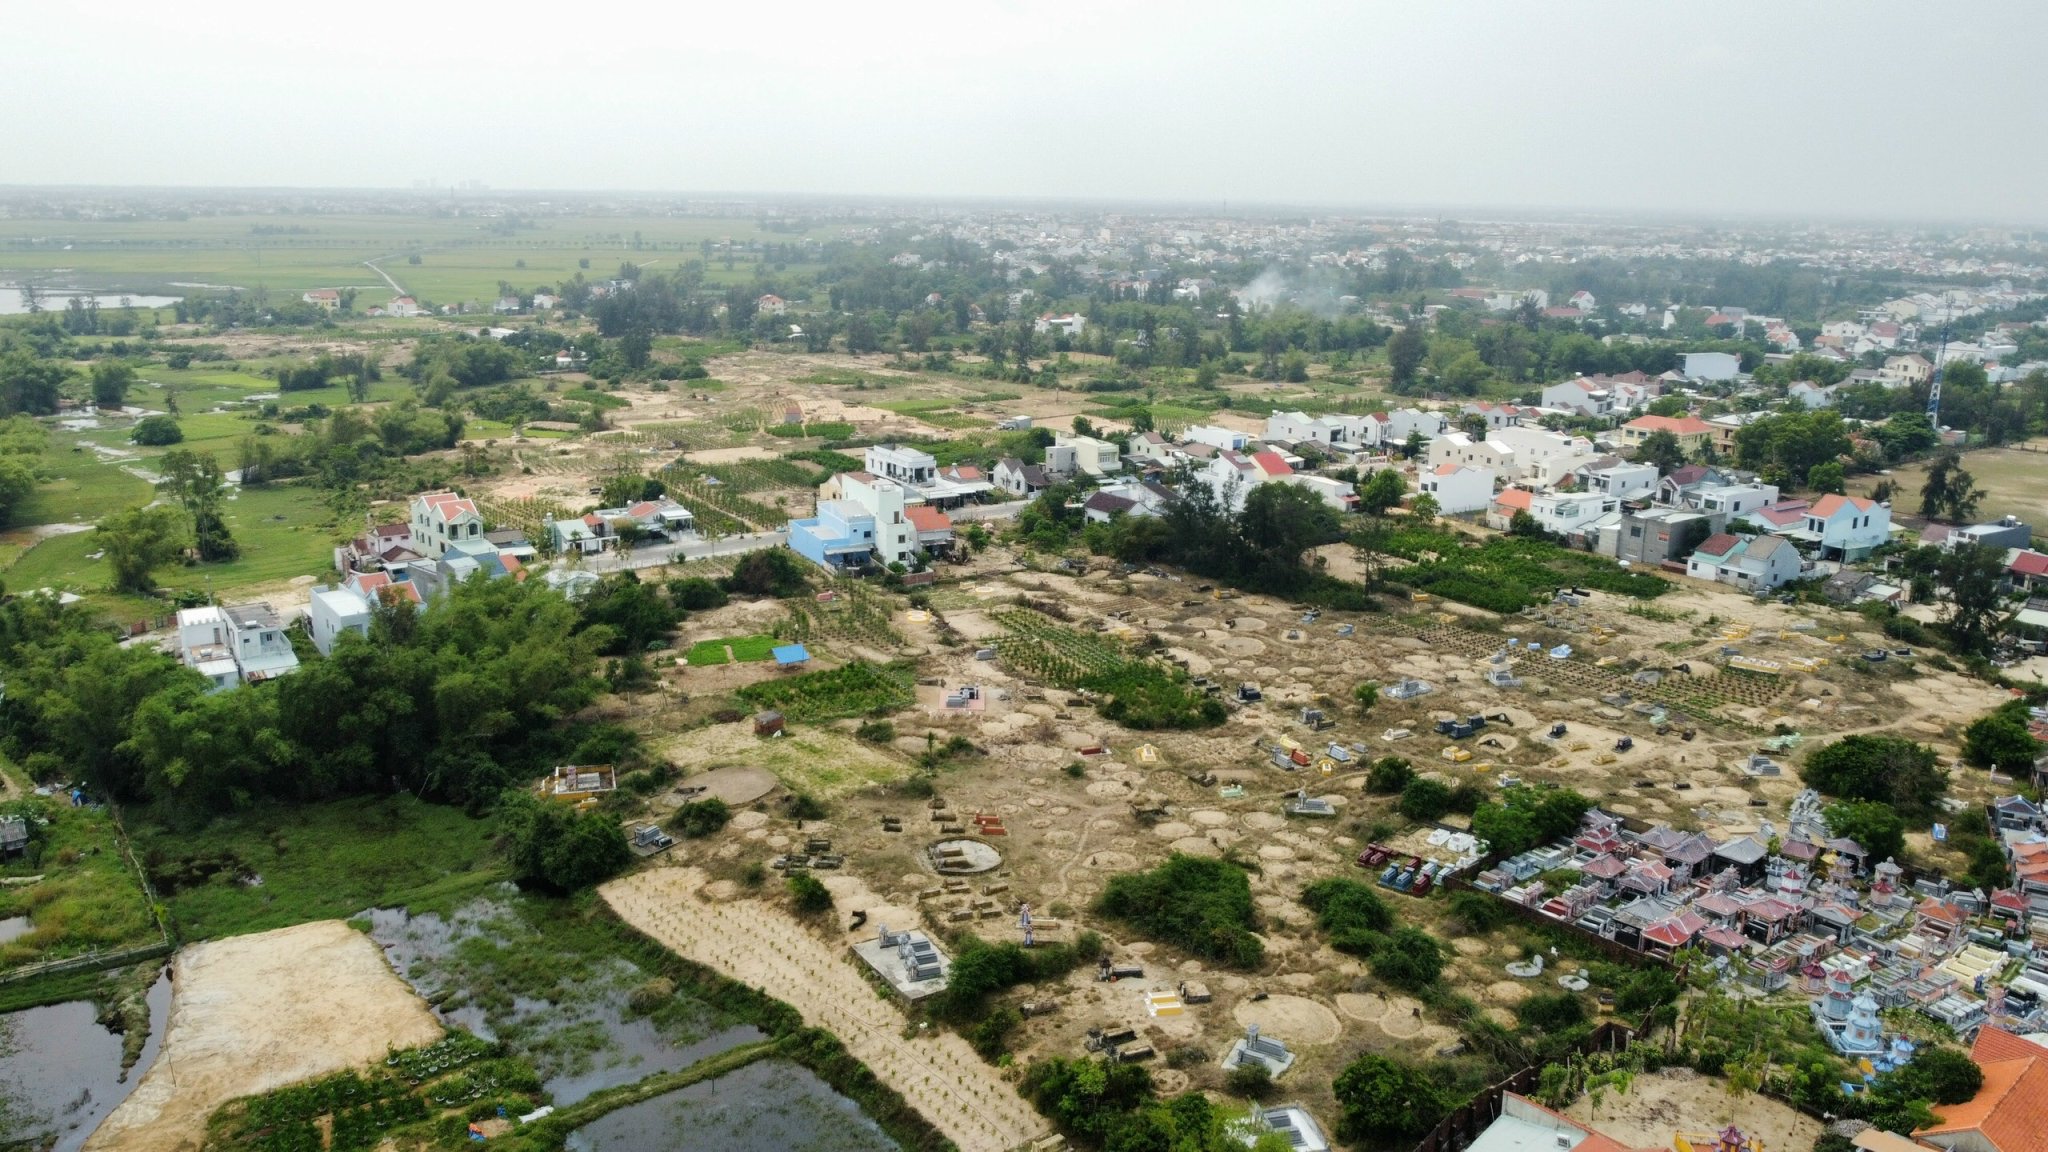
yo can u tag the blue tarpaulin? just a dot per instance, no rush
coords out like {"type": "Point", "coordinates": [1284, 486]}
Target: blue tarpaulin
{"type": "Point", "coordinates": [787, 654]}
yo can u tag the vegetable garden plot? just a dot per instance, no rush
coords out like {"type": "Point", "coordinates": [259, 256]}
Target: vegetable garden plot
{"type": "Point", "coordinates": [855, 689]}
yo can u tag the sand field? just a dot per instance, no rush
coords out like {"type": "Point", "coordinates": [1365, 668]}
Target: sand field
{"type": "Point", "coordinates": [254, 1013]}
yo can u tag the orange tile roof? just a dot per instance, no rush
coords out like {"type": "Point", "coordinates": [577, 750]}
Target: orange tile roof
{"type": "Point", "coordinates": [2010, 1111]}
{"type": "Point", "coordinates": [928, 519]}
{"type": "Point", "coordinates": [1676, 425]}
{"type": "Point", "coordinates": [1830, 504]}
{"type": "Point", "coordinates": [1515, 498]}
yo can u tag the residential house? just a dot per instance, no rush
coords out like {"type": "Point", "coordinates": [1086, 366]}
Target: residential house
{"type": "Point", "coordinates": [1338, 494]}
{"type": "Point", "coordinates": [771, 305]}
{"type": "Point", "coordinates": [1711, 366]}
{"type": "Point", "coordinates": [1020, 479]}
{"type": "Point", "coordinates": [1583, 396]}
{"type": "Point", "coordinates": [1808, 394]}
{"type": "Point", "coordinates": [2026, 569]}
{"type": "Point", "coordinates": [2007, 1114]}
{"type": "Point", "coordinates": [867, 523]}
{"type": "Point", "coordinates": [1393, 428]}
{"type": "Point", "coordinates": [1232, 475]}
{"type": "Point", "coordinates": [578, 535]}
{"type": "Point", "coordinates": [1495, 415]}
{"type": "Point", "coordinates": [440, 519]}
{"type": "Point", "coordinates": [1150, 449]}
{"type": "Point", "coordinates": [404, 306]}
{"type": "Point", "coordinates": [1540, 455]}
{"type": "Point", "coordinates": [1912, 368]}
{"type": "Point", "coordinates": [1731, 499]}
{"type": "Point", "coordinates": [1569, 513]}
{"type": "Point", "coordinates": [912, 466]}
{"type": "Point", "coordinates": [1583, 300]}
{"type": "Point", "coordinates": [1846, 528]}
{"type": "Point", "coordinates": [1065, 324]}
{"type": "Point", "coordinates": [933, 529]}
{"type": "Point", "coordinates": [1658, 536]}
{"type": "Point", "coordinates": [234, 644]}
{"type": "Point", "coordinates": [1219, 438]}
{"type": "Point", "coordinates": [326, 298]}
{"type": "Point", "coordinates": [1462, 448]}
{"type": "Point", "coordinates": [1458, 488]}
{"type": "Point", "coordinates": [1613, 476]}
{"type": "Point", "coordinates": [1752, 563]}
{"type": "Point", "coordinates": [2006, 533]}
{"type": "Point", "coordinates": [1500, 514]}
{"type": "Point", "coordinates": [1334, 429]}
{"type": "Point", "coordinates": [379, 545]}
{"type": "Point", "coordinates": [347, 607]}
{"type": "Point", "coordinates": [1691, 431]}
{"type": "Point", "coordinates": [1071, 453]}
{"type": "Point", "coordinates": [506, 306]}
{"type": "Point", "coordinates": [545, 301]}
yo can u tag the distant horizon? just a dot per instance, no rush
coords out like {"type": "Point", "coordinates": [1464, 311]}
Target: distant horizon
{"type": "Point", "coordinates": [1473, 212]}
{"type": "Point", "coordinates": [1745, 109]}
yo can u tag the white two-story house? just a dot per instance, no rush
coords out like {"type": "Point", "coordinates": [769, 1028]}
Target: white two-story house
{"type": "Point", "coordinates": [442, 519]}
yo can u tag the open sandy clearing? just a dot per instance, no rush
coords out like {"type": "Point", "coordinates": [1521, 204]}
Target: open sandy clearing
{"type": "Point", "coordinates": [1657, 1105]}
{"type": "Point", "coordinates": [253, 1013]}
{"type": "Point", "coordinates": [761, 946]}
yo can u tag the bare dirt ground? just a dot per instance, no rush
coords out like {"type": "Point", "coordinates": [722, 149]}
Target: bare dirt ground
{"type": "Point", "coordinates": [253, 1013]}
{"type": "Point", "coordinates": [1655, 1106]}
{"type": "Point", "coordinates": [762, 946]}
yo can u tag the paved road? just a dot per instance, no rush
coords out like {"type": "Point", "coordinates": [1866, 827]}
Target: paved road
{"type": "Point", "coordinates": [990, 511]}
{"type": "Point", "coordinates": [656, 555]}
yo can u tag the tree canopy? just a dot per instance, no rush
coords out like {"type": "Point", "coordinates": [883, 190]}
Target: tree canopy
{"type": "Point", "coordinates": [1889, 769]}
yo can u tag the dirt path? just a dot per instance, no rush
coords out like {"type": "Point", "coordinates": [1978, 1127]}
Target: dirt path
{"type": "Point", "coordinates": [760, 945]}
{"type": "Point", "coordinates": [253, 1013]}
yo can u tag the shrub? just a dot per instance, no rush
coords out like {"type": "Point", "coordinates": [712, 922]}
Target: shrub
{"type": "Point", "coordinates": [754, 874]}
{"type": "Point", "coordinates": [808, 896]}
{"type": "Point", "coordinates": [1526, 817]}
{"type": "Point", "coordinates": [1389, 775]}
{"type": "Point", "coordinates": [1202, 905]}
{"type": "Point", "coordinates": [1477, 911]}
{"type": "Point", "coordinates": [1939, 1075]}
{"type": "Point", "coordinates": [1887, 769]}
{"type": "Point", "coordinates": [1250, 1081]}
{"type": "Point", "coordinates": [700, 818]}
{"type": "Point", "coordinates": [157, 431]}
{"type": "Point", "coordinates": [1409, 959]}
{"type": "Point", "coordinates": [1425, 799]}
{"type": "Point", "coordinates": [696, 594]}
{"type": "Point", "coordinates": [1551, 1012]}
{"type": "Point", "coordinates": [803, 806]}
{"type": "Point", "coordinates": [875, 731]}
{"type": "Point", "coordinates": [1387, 1101]}
{"type": "Point", "coordinates": [989, 1036]}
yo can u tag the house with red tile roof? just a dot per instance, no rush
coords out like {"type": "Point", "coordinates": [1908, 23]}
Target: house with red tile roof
{"type": "Point", "coordinates": [1690, 430]}
{"type": "Point", "coordinates": [442, 519]}
{"type": "Point", "coordinates": [1501, 513]}
{"type": "Point", "coordinates": [2009, 1113]}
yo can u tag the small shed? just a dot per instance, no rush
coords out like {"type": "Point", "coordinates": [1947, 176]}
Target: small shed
{"type": "Point", "coordinates": [13, 835]}
{"type": "Point", "coordinates": [791, 656]}
{"type": "Point", "coordinates": [768, 723]}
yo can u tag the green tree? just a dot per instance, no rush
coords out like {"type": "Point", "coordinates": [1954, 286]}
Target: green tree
{"type": "Point", "coordinates": [1874, 825]}
{"type": "Point", "coordinates": [156, 431]}
{"type": "Point", "coordinates": [137, 541]}
{"type": "Point", "coordinates": [1972, 573]}
{"type": "Point", "coordinates": [195, 481]}
{"type": "Point", "coordinates": [1662, 449]}
{"type": "Point", "coordinates": [1386, 1101]}
{"type": "Point", "coordinates": [2001, 740]}
{"type": "Point", "coordinates": [1949, 492]}
{"type": "Point", "coordinates": [111, 382]}
{"type": "Point", "coordinates": [1382, 490]}
{"type": "Point", "coordinates": [1389, 775]}
{"type": "Point", "coordinates": [808, 896]}
{"type": "Point", "coordinates": [1525, 524]}
{"type": "Point", "coordinates": [1409, 959]}
{"type": "Point", "coordinates": [560, 847]}
{"type": "Point", "coordinates": [1405, 352]}
{"type": "Point", "coordinates": [1889, 769]}
{"type": "Point", "coordinates": [29, 384]}
{"type": "Point", "coordinates": [1366, 695]}
{"type": "Point", "coordinates": [1425, 507]}
{"type": "Point", "coordinates": [1939, 1075]}
{"type": "Point", "coordinates": [1827, 477]}
{"type": "Point", "coordinates": [1425, 798]}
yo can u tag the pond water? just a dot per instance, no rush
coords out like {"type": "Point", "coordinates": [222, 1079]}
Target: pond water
{"type": "Point", "coordinates": [60, 1070]}
{"type": "Point", "coordinates": [14, 303]}
{"type": "Point", "coordinates": [477, 968]}
{"type": "Point", "coordinates": [15, 927]}
{"type": "Point", "coordinates": [767, 1106]}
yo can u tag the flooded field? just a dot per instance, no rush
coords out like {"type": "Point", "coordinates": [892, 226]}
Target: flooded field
{"type": "Point", "coordinates": [767, 1105]}
{"type": "Point", "coordinates": [60, 1069]}
{"type": "Point", "coordinates": [508, 969]}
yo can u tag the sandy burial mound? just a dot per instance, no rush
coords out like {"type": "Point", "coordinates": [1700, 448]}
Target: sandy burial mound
{"type": "Point", "coordinates": [1294, 1020]}
{"type": "Point", "coordinates": [253, 1013]}
{"type": "Point", "coordinates": [1657, 1104]}
{"type": "Point", "coordinates": [762, 946]}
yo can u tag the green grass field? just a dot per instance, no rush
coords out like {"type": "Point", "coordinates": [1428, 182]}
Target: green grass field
{"type": "Point", "coordinates": [461, 258]}
{"type": "Point", "coordinates": [88, 897]}
{"type": "Point", "coordinates": [745, 649]}
{"type": "Point", "coordinates": [316, 862]}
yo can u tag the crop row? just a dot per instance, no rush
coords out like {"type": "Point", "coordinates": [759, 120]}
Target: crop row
{"type": "Point", "coordinates": [855, 689]}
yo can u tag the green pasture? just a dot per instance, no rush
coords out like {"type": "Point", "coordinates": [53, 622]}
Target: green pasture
{"type": "Point", "coordinates": [460, 258]}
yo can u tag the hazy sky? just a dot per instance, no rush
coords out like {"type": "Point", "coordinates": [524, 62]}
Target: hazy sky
{"type": "Point", "coordinates": [1810, 107]}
